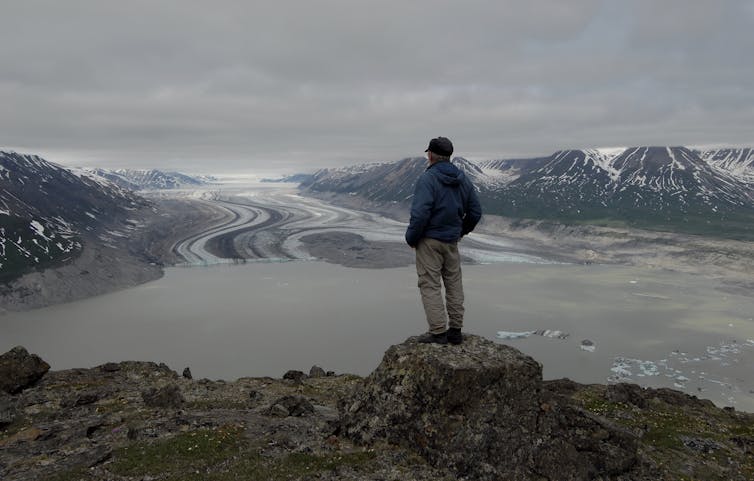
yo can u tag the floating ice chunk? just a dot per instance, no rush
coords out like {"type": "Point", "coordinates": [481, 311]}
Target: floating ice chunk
{"type": "Point", "coordinates": [633, 282]}
{"type": "Point", "coordinates": [621, 370]}
{"type": "Point", "coordinates": [552, 333]}
{"type": "Point", "coordinates": [624, 367]}
{"type": "Point", "coordinates": [549, 333]}
{"type": "Point", "coordinates": [651, 295]}
{"type": "Point", "coordinates": [649, 368]}
{"type": "Point", "coordinates": [514, 335]}
{"type": "Point", "coordinates": [587, 345]}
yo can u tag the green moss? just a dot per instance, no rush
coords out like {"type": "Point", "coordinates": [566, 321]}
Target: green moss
{"type": "Point", "coordinates": [593, 400]}
{"type": "Point", "coordinates": [663, 426]}
{"type": "Point", "coordinates": [196, 450]}
{"type": "Point", "coordinates": [227, 455]}
{"type": "Point", "coordinates": [744, 429]}
{"type": "Point", "coordinates": [75, 474]}
{"type": "Point", "coordinates": [13, 428]}
{"type": "Point", "coordinates": [293, 466]}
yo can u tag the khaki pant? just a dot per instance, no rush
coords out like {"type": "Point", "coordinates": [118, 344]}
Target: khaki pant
{"type": "Point", "coordinates": [436, 261]}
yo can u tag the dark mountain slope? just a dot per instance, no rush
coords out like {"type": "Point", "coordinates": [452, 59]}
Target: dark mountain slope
{"type": "Point", "coordinates": [45, 211]}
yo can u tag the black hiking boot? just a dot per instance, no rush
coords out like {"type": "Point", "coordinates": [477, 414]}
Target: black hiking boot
{"type": "Point", "coordinates": [430, 338]}
{"type": "Point", "coordinates": [454, 336]}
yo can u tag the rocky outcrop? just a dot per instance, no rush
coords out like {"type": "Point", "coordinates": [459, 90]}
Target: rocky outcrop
{"type": "Point", "coordinates": [19, 370]}
{"type": "Point", "coordinates": [479, 409]}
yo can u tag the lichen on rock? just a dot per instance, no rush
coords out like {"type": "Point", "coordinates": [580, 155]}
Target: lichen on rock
{"type": "Point", "coordinates": [479, 409]}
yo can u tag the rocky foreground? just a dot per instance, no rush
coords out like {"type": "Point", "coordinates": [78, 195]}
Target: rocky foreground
{"type": "Point", "coordinates": [479, 411]}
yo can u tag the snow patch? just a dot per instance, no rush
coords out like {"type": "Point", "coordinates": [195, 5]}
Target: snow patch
{"type": "Point", "coordinates": [39, 229]}
{"type": "Point", "coordinates": [603, 159]}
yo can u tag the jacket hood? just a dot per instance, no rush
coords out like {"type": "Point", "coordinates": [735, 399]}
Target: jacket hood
{"type": "Point", "coordinates": [447, 173]}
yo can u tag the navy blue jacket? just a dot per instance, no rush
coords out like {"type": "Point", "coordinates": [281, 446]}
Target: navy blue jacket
{"type": "Point", "coordinates": [445, 205]}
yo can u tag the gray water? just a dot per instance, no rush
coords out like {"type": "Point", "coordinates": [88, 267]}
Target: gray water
{"type": "Point", "coordinates": [263, 319]}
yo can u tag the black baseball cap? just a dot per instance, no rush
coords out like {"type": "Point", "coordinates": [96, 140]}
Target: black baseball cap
{"type": "Point", "coordinates": [441, 146]}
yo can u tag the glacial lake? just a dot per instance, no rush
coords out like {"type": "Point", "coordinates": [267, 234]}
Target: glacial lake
{"type": "Point", "coordinates": [655, 328]}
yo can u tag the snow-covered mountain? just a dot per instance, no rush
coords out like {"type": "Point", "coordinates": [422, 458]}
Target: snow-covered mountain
{"type": "Point", "coordinates": [505, 171]}
{"type": "Point", "coordinates": [739, 162]}
{"type": "Point", "coordinates": [667, 187]}
{"type": "Point", "coordinates": [293, 179]}
{"type": "Point", "coordinates": [151, 179]}
{"type": "Point", "coordinates": [638, 181]}
{"type": "Point", "coordinates": [383, 182]}
{"type": "Point", "coordinates": [45, 209]}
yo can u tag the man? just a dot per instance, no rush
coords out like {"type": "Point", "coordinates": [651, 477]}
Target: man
{"type": "Point", "coordinates": [444, 209]}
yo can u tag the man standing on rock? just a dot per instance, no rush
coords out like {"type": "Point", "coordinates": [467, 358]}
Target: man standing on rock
{"type": "Point", "coordinates": [444, 209]}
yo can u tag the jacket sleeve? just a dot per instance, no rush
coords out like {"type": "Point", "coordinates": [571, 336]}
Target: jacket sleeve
{"type": "Point", "coordinates": [421, 210]}
{"type": "Point", "coordinates": [473, 211]}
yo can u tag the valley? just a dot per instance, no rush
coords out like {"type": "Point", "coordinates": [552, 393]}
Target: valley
{"type": "Point", "coordinates": [682, 293]}
{"type": "Point", "coordinates": [276, 223]}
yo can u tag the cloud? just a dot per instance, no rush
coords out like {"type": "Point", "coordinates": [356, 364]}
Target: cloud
{"type": "Point", "coordinates": [241, 85]}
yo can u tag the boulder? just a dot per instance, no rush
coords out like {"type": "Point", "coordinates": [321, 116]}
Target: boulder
{"type": "Point", "coordinates": [678, 398]}
{"type": "Point", "coordinates": [290, 406]}
{"type": "Point", "coordinates": [165, 397]}
{"type": "Point", "coordinates": [19, 370]}
{"type": "Point", "coordinates": [626, 393]}
{"type": "Point", "coordinates": [294, 375]}
{"type": "Point", "coordinates": [317, 371]}
{"type": "Point", "coordinates": [478, 409]}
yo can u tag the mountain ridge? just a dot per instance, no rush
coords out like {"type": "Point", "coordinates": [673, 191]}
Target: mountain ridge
{"type": "Point", "coordinates": [662, 187]}
{"type": "Point", "coordinates": [144, 179]}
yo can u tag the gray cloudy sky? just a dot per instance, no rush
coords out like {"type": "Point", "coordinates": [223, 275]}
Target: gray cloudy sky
{"type": "Point", "coordinates": [290, 85]}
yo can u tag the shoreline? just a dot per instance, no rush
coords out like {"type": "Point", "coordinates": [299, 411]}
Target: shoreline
{"type": "Point", "coordinates": [729, 260]}
{"type": "Point", "coordinates": [142, 257]}
{"type": "Point", "coordinates": [117, 263]}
